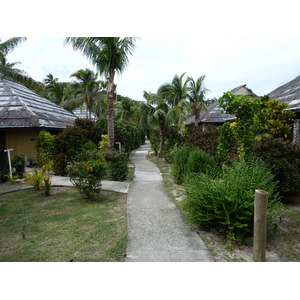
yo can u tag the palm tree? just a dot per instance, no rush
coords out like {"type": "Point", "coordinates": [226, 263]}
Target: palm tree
{"type": "Point", "coordinates": [49, 80]}
{"type": "Point", "coordinates": [158, 114]}
{"type": "Point", "coordinates": [196, 96]}
{"type": "Point", "coordinates": [10, 45]}
{"type": "Point", "coordinates": [176, 91]}
{"type": "Point", "coordinates": [127, 109]}
{"type": "Point", "coordinates": [110, 56]}
{"type": "Point", "coordinates": [58, 92]}
{"type": "Point", "coordinates": [88, 86]}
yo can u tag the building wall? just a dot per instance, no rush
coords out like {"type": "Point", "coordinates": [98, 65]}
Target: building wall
{"type": "Point", "coordinates": [23, 141]}
{"type": "Point", "coordinates": [242, 91]}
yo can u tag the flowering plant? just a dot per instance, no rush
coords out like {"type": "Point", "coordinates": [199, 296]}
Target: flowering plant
{"type": "Point", "coordinates": [87, 176]}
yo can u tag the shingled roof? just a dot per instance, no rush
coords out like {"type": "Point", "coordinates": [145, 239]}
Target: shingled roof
{"type": "Point", "coordinates": [288, 93]}
{"type": "Point", "coordinates": [215, 114]}
{"type": "Point", "coordinates": [22, 108]}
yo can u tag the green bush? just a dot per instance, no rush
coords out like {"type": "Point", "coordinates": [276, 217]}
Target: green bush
{"type": "Point", "coordinates": [226, 203]}
{"type": "Point", "coordinates": [45, 147]}
{"type": "Point", "coordinates": [87, 176]}
{"type": "Point", "coordinates": [117, 165]}
{"type": "Point", "coordinates": [180, 163]}
{"type": "Point", "coordinates": [206, 140]}
{"type": "Point", "coordinates": [19, 164]}
{"type": "Point", "coordinates": [201, 162]}
{"type": "Point", "coordinates": [128, 134]}
{"type": "Point", "coordinates": [227, 143]}
{"type": "Point", "coordinates": [60, 164]}
{"type": "Point", "coordinates": [284, 160]}
{"type": "Point", "coordinates": [89, 146]}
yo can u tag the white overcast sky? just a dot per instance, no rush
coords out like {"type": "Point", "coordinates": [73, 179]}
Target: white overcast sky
{"type": "Point", "coordinates": [232, 42]}
{"type": "Point", "coordinates": [263, 63]}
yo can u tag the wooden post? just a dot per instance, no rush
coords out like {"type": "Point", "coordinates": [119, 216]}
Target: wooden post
{"type": "Point", "coordinates": [260, 225]}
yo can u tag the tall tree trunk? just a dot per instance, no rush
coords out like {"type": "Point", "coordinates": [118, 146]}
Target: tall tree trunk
{"type": "Point", "coordinates": [197, 117]}
{"type": "Point", "coordinates": [162, 142]}
{"type": "Point", "coordinates": [111, 97]}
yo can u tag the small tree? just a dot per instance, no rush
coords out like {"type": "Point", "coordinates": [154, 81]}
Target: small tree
{"type": "Point", "coordinates": [45, 147]}
{"type": "Point", "coordinates": [246, 110]}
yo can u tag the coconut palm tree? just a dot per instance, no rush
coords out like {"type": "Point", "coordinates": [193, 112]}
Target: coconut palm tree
{"type": "Point", "coordinates": [87, 85]}
{"type": "Point", "coordinates": [8, 70]}
{"type": "Point", "coordinates": [110, 56]}
{"type": "Point", "coordinates": [49, 80]}
{"type": "Point", "coordinates": [196, 93]}
{"type": "Point", "coordinates": [159, 115]}
{"type": "Point", "coordinates": [10, 44]}
{"type": "Point", "coordinates": [176, 91]}
{"type": "Point", "coordinates": [127, 109]}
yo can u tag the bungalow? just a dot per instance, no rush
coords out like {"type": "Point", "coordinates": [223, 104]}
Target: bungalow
{"type": "Point", "coordinates": [23, 114]}
{"type": "Point", "coordinates": [290, 94]}
{"type": "Point", "coordinates": [214, 114]}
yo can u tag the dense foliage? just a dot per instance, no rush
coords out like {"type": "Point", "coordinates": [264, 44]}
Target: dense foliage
{"type": "Point", "coordinates": [283, 158]}
{"type": "Point", "coordinates": [226, 202]}
{"type": "Point", "coordinates": [205, 138]}
{"type": "Point", "coordinates": [117, 165]}
{"type": "Point", "coordinates": [86, 175]}
{"type": "Point", "coordinates": [45, 147]}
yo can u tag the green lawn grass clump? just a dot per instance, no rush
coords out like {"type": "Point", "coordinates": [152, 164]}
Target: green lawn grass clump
{"type": "Point", "coordinates": [62, 227]}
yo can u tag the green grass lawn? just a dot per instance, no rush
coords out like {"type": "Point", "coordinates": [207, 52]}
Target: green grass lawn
{"type": "Point", "coordinates": [62, 227]}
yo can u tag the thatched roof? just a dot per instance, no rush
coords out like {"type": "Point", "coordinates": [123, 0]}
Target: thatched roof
{"type": "Point", "coordinates": [22, 108]}
{"type": "Point", "coordinates": [288, 93]}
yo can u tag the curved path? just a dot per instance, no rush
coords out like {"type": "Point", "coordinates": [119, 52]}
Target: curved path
{"type": "Point", "coordinates": [156, 228]}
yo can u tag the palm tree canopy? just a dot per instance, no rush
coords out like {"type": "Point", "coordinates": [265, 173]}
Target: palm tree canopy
{"type": "Point", "coordinates": [196, 90]}
{"type": "Point", "coordinates": [7, 69]}
{"type": "Point", "coordinates": [175, 91]}
{"type": "Point", "coordinates": [197, 96]}
{"type": "Point", "coordinates": [10, 45]}
{"type": "Point", "coordinates": [108, 54]}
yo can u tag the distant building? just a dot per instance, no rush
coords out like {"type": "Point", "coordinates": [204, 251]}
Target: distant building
{"type": "Point", "coordinates": [23, 114]}
{"type": "Point", "coordinates": [214, 114]}
{"type": "Point", "coordinates": [83, 113]}
{"type": "Point", "coordinates": [290, 94]}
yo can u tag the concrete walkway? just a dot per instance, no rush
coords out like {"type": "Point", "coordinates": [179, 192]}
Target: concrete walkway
{"type": "Point", "coordinates": [156, 229]}
{"type": "Point", "coordinates": [114, 186]}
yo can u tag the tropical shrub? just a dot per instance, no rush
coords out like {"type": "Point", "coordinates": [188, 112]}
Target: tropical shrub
{"type": "Point", "coordinates": [104, 143]}
{"type": "Point", "coordinates": [18, 163]}
{"type": "Point", "coordinates": [201, 162]}
{"type": "Point", "coordinates": [206, 140]}
{"type": "Point", "coordinates": [227, 144]}
{"type": "Point", "coordinates": [87, 176]}
{"type": "Point", "coordinates": [180, 163]}
{"type": "Point", "coordinates": [226, 203]}
{"type": "Point", "coordinates": [247, 111]}
{"type": "Point", "coordinates": [89, 146]}
{"type": "Point", "coordinates": [117, 165]}
{"type": "Point", "coordinates": [45, 147]}
{"type": "Point", "coordinates": [128, 134]}
{"type": "Point", "coordinates": [60, 164]}
{"type": "Point", "coordinates": [38, 178]}
{"type": "Point", "coordinates": [284, 159]}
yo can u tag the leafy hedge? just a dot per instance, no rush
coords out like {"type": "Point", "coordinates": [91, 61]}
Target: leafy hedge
{"type": "Point", "coordinates": [189, 161]}
{"type": "Point", "coordinates": [284, 160]}
{"type": "Point", "coordinates": [226, 202]}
